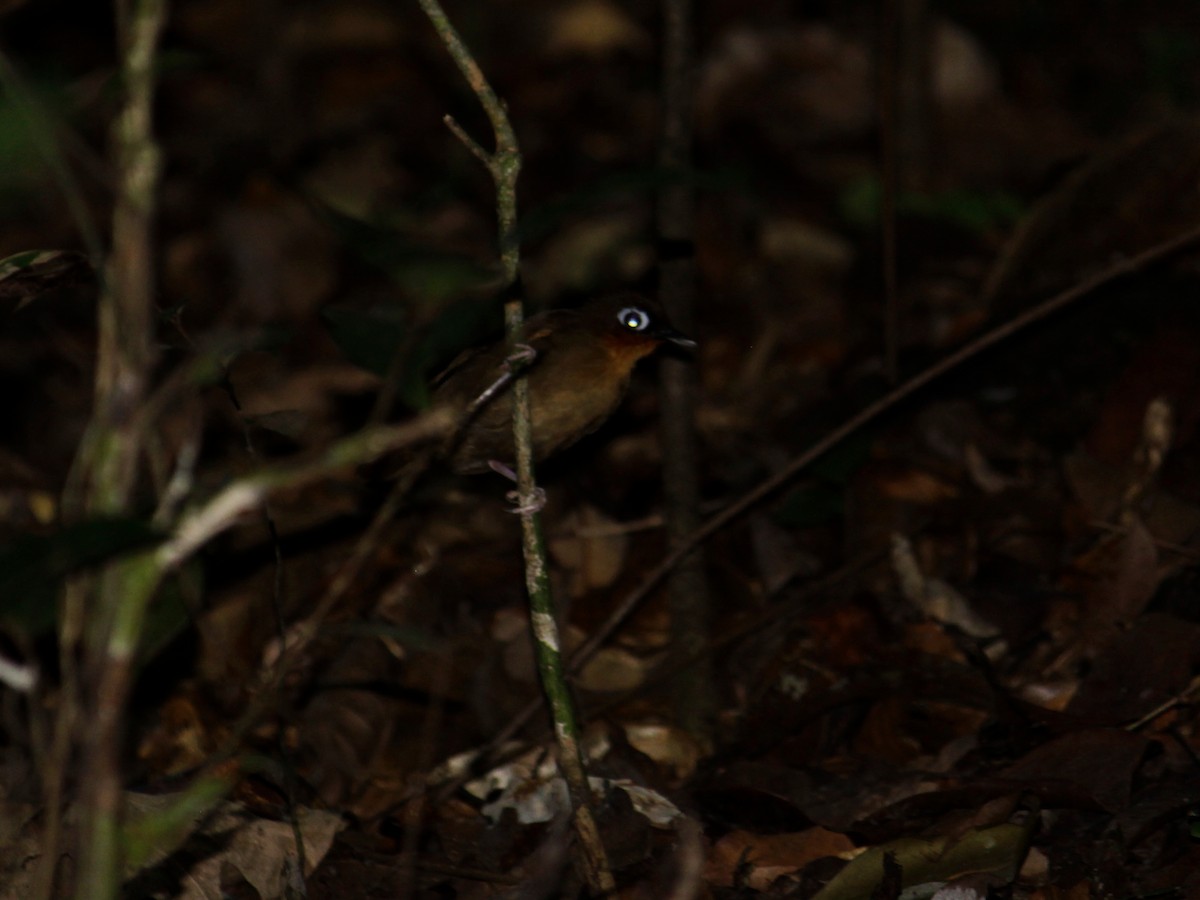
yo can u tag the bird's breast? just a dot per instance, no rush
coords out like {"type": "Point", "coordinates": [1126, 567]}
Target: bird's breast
{"type": "Point", "coordinates": [574, 385]}
{"type": "Point", "coordinates": [570, 401]}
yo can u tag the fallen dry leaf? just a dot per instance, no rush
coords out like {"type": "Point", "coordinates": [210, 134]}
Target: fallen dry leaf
{"type": "Point", "coordinates": [760, 859]}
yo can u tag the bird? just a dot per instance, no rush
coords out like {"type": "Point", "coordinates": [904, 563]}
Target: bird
{"type": "Point", "coordinates": [582, 362]}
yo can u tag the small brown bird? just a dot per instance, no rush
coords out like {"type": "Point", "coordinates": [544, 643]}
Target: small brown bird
{"type": "Point", "coordinates": [584, 360]}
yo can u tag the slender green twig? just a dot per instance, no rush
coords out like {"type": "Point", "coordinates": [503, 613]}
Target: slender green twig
{"type": "Point", "coordinates": [504, 165]}
{"type": "Point", "coordinates": [110, 452]}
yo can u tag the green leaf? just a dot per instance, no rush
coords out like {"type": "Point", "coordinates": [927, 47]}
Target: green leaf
{"type": "Point", "coordinates": [810, 505]}
{"type": "Point", "coordinates": [841, 463]}
{"type": "Point", "coordinates": [997, 851]}
{"type": "Point", "coordinates": [621, 187]}
{"type": "Point", "coordinates": [171, 614]}
{"type": "Point", "coordinates": [32, 568]}
{"type": "Point", "coordinates": [824, 499]}
{"type": "Point", "coordinates": [427, 274]}
{"type": "Point", "coordinates": [159, 824]}
{"type": "Point", "coordinates": [369, 338]}
{"type": "Point", "coordinates": [22, 166]}
{"type": "Point", "coordinates": [460, 326]}
{"type": "Point", "coordinates": [861, 205]}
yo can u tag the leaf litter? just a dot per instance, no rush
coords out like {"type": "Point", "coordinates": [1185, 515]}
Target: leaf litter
{"type": "Point", "coordinates": [958, 656]}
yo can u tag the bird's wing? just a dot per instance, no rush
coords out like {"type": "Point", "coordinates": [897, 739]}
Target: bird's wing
{"type": "Point", "coordinates": [538, 331]}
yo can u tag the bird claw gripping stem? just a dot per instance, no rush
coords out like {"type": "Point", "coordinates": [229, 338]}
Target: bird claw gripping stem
{"type": "Point", "coordinates": [539, 495]}
{"type": "Point", "coordinates": [537, 504]}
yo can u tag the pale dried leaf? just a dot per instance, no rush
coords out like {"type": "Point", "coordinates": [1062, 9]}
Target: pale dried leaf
{"type": "Point", "coordinates": [594, 28]}
{"type": "Point", "coordinates": [612, 669]}
{"type": "Point", "coordinates": [590, 549]}
{"type": "Point", "coordinates": [670, 747]}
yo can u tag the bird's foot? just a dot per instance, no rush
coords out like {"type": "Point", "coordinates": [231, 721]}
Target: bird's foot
{"type": "Point", "coordinates": [539, 495]}
{"type": "Point", "coordinates": [536, 504]}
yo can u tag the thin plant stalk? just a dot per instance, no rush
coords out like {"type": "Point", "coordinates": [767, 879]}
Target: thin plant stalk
{"type": "Point", "coordinates": [693, 690]}
{"type": "Point", "coordinates": [108, 463]}
{"type": "Point", "coordinates": [504, 165]}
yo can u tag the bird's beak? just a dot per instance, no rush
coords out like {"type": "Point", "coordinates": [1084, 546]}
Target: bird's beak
{"type": "Point", "coordinates": [678, 338]}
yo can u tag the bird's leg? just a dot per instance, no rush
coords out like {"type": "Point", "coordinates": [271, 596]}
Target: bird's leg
{"type": "Point", "coordinates": [502, 469]}
{"type": "Point", "coordinates": [539, 495]}
{"type": "Point", "coordinates": [520, 359]}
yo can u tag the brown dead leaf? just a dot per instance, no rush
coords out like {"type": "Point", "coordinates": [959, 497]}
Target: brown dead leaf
{"type": "Point", "coordinates": [283, 259]}
{"type": "Point", "coordinates": [1138, 670]}
{"type": "Point", "coordinates": [1123, 574]}
{"type": "Point", "coordinates": [763, 858]}
{"type": "Point", "coordinates": [263, 852]}
{"type": "Point", "coordinates": [592, 557]}
{"type": "Point", "coordinates": [1164, 365]}
{"type": "Point", "coordinates": [1099, 487]}
{"type": "Point", "coordinates": [1081, 890]}
{"type": "Point", "coordinates": [778, 555]}
{"type": "Point", "coordinates": [916, 486]}
{"type": "Point", "coordinates": [884, 732]}
{"type": "Point", "coordinates": [1099, 761]}
{"type": "Point", "coordinates": [805, 243]}
{"type": "Point", "coordinates": [179, 741]}
{"type": "Point", "coordinates": [259, 851]}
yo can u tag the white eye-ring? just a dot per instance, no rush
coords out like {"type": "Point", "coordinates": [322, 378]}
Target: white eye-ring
{"type": "Point", "coordinates": [633, 318]}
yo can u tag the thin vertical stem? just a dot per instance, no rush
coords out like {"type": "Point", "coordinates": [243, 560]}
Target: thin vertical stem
{"type": "Point", "coordinates": [109, 456]}
{"type": "Point", "coordinates": [693, 689]}
{"type": "Point", "coordinates": [887, 100]}
{"type": "Point", "coordinates": [505, 165]}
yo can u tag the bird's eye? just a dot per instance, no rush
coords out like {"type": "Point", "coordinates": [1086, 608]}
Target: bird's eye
{"type": "Point", "coordinates": [633, 318]}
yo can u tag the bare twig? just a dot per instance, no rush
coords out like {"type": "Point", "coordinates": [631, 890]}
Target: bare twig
{"type": "Point", "coordinates": [887, 100]}
{"type": "Point", "coordinates": [505, 165]}
{"type": "Point", "coordinates": [1183, 698]}
{"type": "Point", "coordinates": [200, 526]}
{"type": "Point", "coordinates": [693, 692]}
{"type": "Point", "coordinates": [903, 101]}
